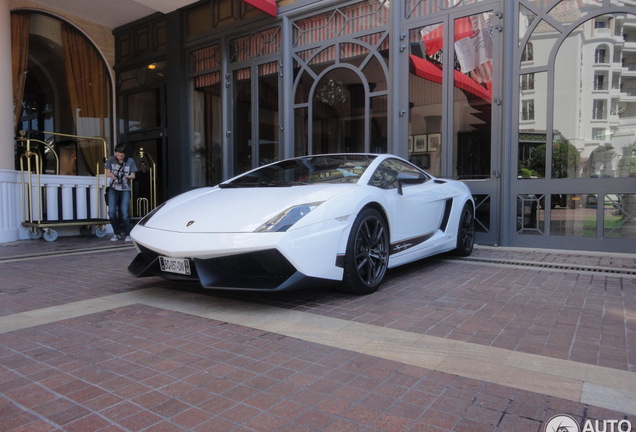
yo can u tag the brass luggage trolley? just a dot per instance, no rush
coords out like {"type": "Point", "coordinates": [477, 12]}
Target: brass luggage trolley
{"type": "Point", "coordinates": [32, 210]}
{"type": "Point", "coordinates": [140, 206]}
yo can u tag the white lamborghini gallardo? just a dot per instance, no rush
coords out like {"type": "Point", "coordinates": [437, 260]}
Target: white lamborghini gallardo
{"type": "Point", "coordinates": [306, 220]}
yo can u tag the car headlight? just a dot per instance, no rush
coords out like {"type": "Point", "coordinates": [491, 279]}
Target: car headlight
{"type": "Point", "coordinates": [283, 221]}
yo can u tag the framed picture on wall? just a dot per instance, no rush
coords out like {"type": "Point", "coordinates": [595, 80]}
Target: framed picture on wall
{"type": "Point", "coordinates": [410, 143]}
{"type": "Point", "coordinates": [419, 143]}
{"type": "Point", "coordinates": [434, 141]}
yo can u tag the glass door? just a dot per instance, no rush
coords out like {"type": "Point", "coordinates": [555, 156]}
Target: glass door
{"type": "Point", "coordinates": [255, 122]}
{"type": "Point", "coordinates": [454, 116]}
{"type": "Point", "coordinates": [476, 120]}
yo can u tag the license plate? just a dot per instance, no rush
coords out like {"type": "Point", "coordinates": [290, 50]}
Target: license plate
{"type": "Point", "coordinates": [175, 265]}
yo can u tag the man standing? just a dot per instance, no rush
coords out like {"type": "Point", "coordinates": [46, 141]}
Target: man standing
{"type": "Point", "coordinates": [120, 169]}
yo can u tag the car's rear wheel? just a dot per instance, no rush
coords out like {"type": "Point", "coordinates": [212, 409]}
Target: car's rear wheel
{"type": "Point", "coordinates": [367, 254]}
{"type": "Point", "coordinates": [466, 231]}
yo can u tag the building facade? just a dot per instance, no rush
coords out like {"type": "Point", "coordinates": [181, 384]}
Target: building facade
{"type": "Point", "coordinates": [466, 89]}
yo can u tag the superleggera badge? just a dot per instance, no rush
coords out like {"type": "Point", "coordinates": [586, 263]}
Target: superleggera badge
{"type": "Point", "coordinates": [189, 223]}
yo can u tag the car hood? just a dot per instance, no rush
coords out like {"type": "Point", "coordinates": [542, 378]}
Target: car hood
{"type": "Point", "coordinates": [215, 210]}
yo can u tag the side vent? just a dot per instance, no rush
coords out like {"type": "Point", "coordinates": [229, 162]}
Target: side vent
{"type": "Point", "coordinates": [447, 212]}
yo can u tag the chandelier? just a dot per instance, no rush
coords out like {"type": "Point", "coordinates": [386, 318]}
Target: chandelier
{"type": "Point", "coordinates": [331, 93]}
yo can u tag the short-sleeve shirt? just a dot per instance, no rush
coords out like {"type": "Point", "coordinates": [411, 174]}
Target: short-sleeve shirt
{"type": "Point", "coordinates": [114, 166]}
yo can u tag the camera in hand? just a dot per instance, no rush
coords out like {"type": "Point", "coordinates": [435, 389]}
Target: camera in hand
{"type": "Point", "coordinates": [121, 177]}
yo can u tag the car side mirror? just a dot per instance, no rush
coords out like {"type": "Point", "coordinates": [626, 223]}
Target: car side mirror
{"type": "Point", "coordinates": [408, 177]}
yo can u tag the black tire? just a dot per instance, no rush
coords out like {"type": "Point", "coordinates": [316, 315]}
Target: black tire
{"type": "Point", "coordinates": [367, 254]}
{"type": "Point", "coordinates": [466, 231]}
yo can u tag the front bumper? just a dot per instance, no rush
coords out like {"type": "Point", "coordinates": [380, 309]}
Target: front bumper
{"type": "Point", "coordinates": [266, 270]}
{"type": "Point", "coordinates": [245, 261]}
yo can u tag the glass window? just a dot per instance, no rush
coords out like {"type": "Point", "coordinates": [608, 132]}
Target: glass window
{"type": "Point", "coordinates": [599, 111]}
{"type": "Point", "coordinates": [242, 103]}
{"type": "Point", "coordinates": [598, 134]}
{"type": "Point", "coordinates": [619, 216]}
{"type": "Point", "coordinates": [573, 215]}
{"type": "Point", "coordinates": [527, 109]}
{"type": "Point", "coordinates": [385, 177]}
{"type": "Point", "coordinates": [269, 149]}
{"type": "Point", "coordinates": [599, 82]}
{"type": "Point", "coordinates": [472, 101]}
{"type": "Point", "coordinates": [425, 97]}
{"type": "Point", "coordinates": [600, 55]}
{"type": "Point", "coordinates": [143, 110]}
{"type": "Point", "coordinates": [527, 81]}
{"type": "Point", "coordinates": [528, 52]}
{"type": "Point", "coordinates": [530, 214]}
{"type": "Point", "coordinates": [207, 137]}
{"type": "Point", "coordinates": [347, 105]}
{"type": "Point", "coordinates": [56, 93]}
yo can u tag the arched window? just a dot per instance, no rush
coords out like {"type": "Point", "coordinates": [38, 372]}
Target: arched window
{"type": "Point", "coordinates": [601, 54]}
{"type": "Point", "coordinates": [61, 85]}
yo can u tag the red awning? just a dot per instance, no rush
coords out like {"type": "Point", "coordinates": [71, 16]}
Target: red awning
{"type": "Point", "coordinates": [267, 6]}
{"type": "Point", "coordinates": [427, 70]}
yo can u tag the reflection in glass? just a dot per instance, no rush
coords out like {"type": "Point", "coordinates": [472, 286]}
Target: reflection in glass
{"type": "Point", "coordinates": [595, 122]}
{"type": "Point", "coordinates": [568, 11]}
{"type": "Point", "coordinates": [143, 110]}
{"type": "Point", "coordinates": [473, 95]}
{"type": "Point", "coordinates": [530, 214]}
{"type": "Point", "coordinates": [339, 105]}
{"type": "Point", "coordinates": [573, 215]}
{"type": "Point", "coordinates": [619, 216]}
{"type": "Point", "coordinates": [379, 124]}
{"type": "Point", "coordinates": [268, 130]}
{"type": "Point", "coordinates": [526, 18]}
{"type": "Point", "coordinates": [301, 140]}
{"type": "Point", "coordinates": [207, 157]}
{"type": "Point", "coordinates": [425, 93]}
{"type": "Point", "coordinates": [537, 50]}
{"type": "Point", "coordinates": [242, 121]}
{"type": "Point", "coordinates": [417, 8]}
{"type": "Point", "coordinates": [532, 124]}
{"type": "Point", "coordinates": [482, 213]}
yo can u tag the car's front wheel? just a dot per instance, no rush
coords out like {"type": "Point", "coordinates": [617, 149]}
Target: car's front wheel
{"type": "Point", "coordinates": [466, 231]}
{"type": "Point", "coordinates": [367, 254]}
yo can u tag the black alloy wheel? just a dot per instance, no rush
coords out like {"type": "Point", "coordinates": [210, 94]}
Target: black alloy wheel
{"type": "Point", "coordinates": [466, 231]}
{"type": "Point", "coordinates": [367, 254]}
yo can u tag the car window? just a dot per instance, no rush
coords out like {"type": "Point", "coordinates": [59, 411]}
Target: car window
{"type": "Point", "coordinates": [341, 168]}
{"type": "Point", "coordinates": [385, 176]}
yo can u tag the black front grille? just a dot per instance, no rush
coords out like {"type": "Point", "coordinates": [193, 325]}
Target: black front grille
{"type": "Point", "coordinates": [269, 263]}
{"type": "Point", "coordinates": [268, 270]}
{"type": "Point", "coordinates": [263, 269]}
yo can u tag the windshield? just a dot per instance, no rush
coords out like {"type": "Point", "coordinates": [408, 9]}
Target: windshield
{"type": "Point", "coordinates": [341, 168]}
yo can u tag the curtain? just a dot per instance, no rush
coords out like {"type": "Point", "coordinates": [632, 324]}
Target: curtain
{"type": "Point", "coordinates": [88, 93]}
{"type": "Point", "coordinates": [20, 26]}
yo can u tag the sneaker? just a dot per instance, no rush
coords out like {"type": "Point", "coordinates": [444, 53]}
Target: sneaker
{"type": "Point", "coordinates": [114, 238]}
{"type": "Point", "coordinates": [127, 238]}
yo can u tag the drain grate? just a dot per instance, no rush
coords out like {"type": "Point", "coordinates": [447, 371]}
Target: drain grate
{"type": "Point", "coordinates": [550, 266]}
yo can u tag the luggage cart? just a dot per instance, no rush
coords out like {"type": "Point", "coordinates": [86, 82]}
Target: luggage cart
{"type": "Point", "coordinates": [140, 206]}
{"type": "Point", "coordinates": [31, 164]}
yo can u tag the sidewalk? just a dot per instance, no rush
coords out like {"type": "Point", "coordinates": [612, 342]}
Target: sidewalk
{"type": "Point", "coordinates": [445, 345]}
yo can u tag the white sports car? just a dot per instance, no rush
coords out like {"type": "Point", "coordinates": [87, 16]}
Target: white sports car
{"type": "Point", "coordinates": [306, 220]}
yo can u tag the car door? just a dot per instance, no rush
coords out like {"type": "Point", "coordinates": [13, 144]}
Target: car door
{"type": "Point", "coordinates": [417, 212]}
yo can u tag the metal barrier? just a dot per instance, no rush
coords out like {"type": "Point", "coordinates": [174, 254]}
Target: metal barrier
{"type": "Point", "coordinates": [75, 192]}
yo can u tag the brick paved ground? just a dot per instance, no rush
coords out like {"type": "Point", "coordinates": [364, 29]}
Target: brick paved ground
{"type": "Point", "coordinates": [140, 368]}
